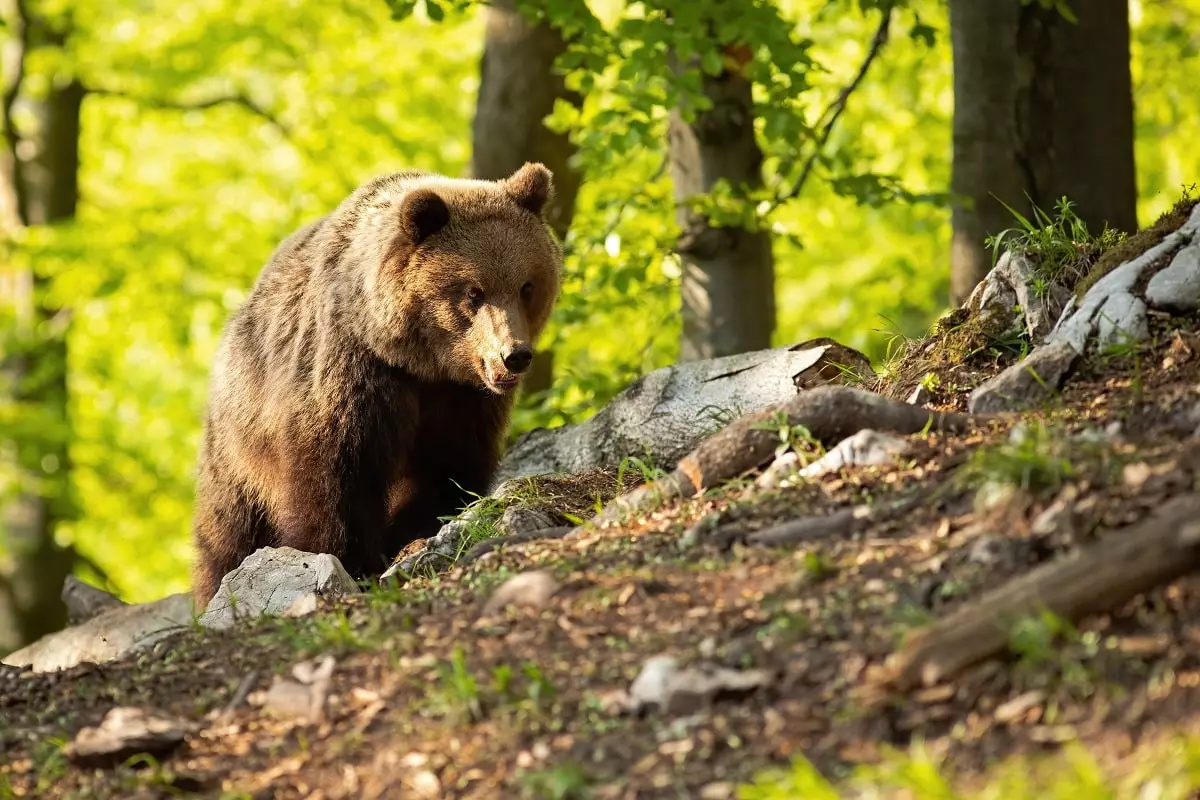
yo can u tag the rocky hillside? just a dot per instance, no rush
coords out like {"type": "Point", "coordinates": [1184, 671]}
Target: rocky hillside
{"type": "Point", "coordinates": [967, 576]}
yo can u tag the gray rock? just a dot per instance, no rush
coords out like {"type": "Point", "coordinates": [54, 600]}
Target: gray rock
{"type": "Point", "coordinates": [270, 580]}
{"type": "Point", "coordinates": [1028, 383]}
{"type": "Point", "coordinates": [520, 520]}
{"type": "Point", "coordinates": [303, 695]}
{"type": "Point", "coordinates": [1077, 328]}
{"type": "Point", "coordinates": [782, 468]}
{"type": "Point", "coordinates": [84, 601]}
{"type": "Point", "coordinates": [1041, 304]}
{"type": "Point", "coordinates": [1177, 288]}
{"type": "Point", "coordinates": [126, 732]}
{"type": "Point", "coordinates": [994, 302]}
{"type": "Point", "coordinates": [1109, 310]}
{"type": "Point", "coordinates": [1121, 319]}
{"type": "Point", "coordinates": [530, 589]}
{"type": "Point", "coordinates": [990, 550]}
{"type": "Point", "coordinates": [446, 545]}
{"type": "Point", "coordinates": [699, 530]}
{"type": "Point", "coordinates": [1012, 296]}
{"type": "Point", "coordinates": [676, 690]}
{"type": "Point", "coordinates": [440, 549]}
{"type": "Point", "coordinates": [668, 411]}
{"type": "Point", "coordinates": [107, 636]}
{"type": "Point", "coordinates": [863, 449]}
{"type": "Point", "coordinates": [302, 606]}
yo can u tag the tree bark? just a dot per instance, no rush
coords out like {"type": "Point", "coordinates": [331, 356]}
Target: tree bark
{"type": "Point", "coordinates": [1044, 108]}
{"type": "Point", "coordinates": [41, 169]}
{"type": "Point", "coordinates": [518, 88]}
{"type": "Point", "coordinates": [728, 282]}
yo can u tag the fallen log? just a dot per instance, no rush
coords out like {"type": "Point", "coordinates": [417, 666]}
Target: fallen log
{"type": "Point", "coordinates": [1102, 578]}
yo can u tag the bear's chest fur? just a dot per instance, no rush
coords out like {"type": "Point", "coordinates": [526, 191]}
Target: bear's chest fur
{"type": "Point", "coordinates": [431, 448]}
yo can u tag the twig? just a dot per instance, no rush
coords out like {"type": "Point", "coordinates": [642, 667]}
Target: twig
{"type": "Point", "coordinates": [833, 112]}
{"type": "Point", "coordinates": [170, 104]}
{"type": "Point", "coordinates": [240, 693]}
{"type": "Point", "coordinates": [840, 524]}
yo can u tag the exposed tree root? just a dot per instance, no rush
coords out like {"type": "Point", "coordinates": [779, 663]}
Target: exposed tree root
{"type": "Point", "coordinates": [1101, 578]}
{"type": "Point", "coordinates": [830, 413]}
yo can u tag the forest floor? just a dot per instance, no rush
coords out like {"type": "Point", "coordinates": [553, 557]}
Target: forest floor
{"type": "Point", "coordinates": [431, 697]}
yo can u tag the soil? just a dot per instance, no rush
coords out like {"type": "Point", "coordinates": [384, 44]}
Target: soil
{"type": "Point", "coordinates": [430, 698]}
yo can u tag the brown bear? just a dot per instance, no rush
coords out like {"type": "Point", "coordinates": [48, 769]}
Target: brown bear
{"type": "Point", "coordinates": [365, 387]}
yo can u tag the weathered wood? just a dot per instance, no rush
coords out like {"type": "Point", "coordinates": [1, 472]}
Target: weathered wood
{"type": "Point", "coordinates": [1102, 578]}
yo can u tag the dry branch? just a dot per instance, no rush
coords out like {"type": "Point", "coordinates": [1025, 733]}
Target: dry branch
{"type": "Point", "coordinates": [238, 100]}
{"type": "Point", "coordinates": [1127, 563]}
{"type": "Point", "coordinates": [839, 524]}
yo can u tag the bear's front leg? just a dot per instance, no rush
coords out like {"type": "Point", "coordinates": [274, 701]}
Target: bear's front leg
{"type": "Point", "coordinates": [227, 527]}
{"type": "Point", "coordinates": [323, 513]}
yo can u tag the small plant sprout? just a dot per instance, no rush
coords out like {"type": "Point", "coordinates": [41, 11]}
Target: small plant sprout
{"type": "Point", "coordinates": [1060, 244]}
{"type": "Point", "coordinates": [794, 438]}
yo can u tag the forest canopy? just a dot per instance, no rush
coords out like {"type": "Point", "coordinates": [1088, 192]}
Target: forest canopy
{"type": "Point", "coordinates": [212, 129]}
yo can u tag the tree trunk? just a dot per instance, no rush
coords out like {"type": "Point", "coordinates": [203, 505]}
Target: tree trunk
{"type": "Point", "coordinates": [517, 90]}
{"type": "Point", "coordinates": [1044, 108]}
{"type": "Point", "coordinates": [728, 283]}
{"type": "Point", "coordinates": [41, 168]}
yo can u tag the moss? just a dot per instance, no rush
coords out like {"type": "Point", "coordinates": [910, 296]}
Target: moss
{"type": "Point", "coordinates": [1133, 246]}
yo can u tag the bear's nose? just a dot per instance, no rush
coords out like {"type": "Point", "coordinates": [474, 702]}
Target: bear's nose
{"type": "Point", "coordinates": [519, 359]}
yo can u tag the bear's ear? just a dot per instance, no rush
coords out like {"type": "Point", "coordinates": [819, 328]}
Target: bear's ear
{"type": "Point", "coordinates": [531, 187]}
{"type": "Point", "coordinates": [422, 214]}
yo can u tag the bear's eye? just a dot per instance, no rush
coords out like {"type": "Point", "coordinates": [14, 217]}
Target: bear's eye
{"type": "Point", "coordinates": [527, 289]}
{"type": "Point", "coordinates": [475, 296]}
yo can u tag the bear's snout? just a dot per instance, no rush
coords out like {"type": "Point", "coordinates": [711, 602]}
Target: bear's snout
{"type": "Point", "coordinates": [519, 359]}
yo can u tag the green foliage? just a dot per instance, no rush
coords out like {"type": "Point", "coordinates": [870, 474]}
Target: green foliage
{"type": "Point", "coordinates": [1036, 459]}
{"type": "Point", "coordinates": [457, 692]}
{"type": "Point", "coordinates": [1061, 245]}
{"type": "Point", "coordinates": [792, 438]}
{"type": "Point", "coordinates": [1167, 768]}
{"type": "Point", "coordinates": [51, 762]}
{"type": "Point", "coordinates": [562, 782]}
{"type": "Point", "coordinates": [644, 467]}
{"type": "Point", "coordinates": [800, 779]}
{"type": "Point", "coordinates": [1049, 647]}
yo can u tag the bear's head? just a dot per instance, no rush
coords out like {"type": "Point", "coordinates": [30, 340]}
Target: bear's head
{"type": "Point", "coordinates": [467, 277]}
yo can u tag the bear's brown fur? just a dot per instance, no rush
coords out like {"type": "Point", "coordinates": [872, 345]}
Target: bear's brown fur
{"type": "Point", "coordinates": [366, 384]}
